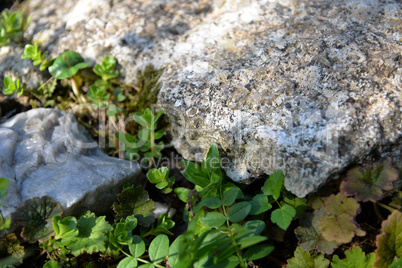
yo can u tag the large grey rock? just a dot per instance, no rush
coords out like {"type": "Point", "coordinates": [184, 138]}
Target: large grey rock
{"type": "Point", "coordinates": [46, 152]}
{"type": "Point", "coordinates": [308, 87]}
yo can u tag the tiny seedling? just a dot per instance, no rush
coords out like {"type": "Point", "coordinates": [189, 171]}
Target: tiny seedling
{"type": "Point", "coordinates": [160, 177]}
{"type": "Point", "coordinates": [10, 86]}
{"type": "Point", "coordinates": [32, 52]}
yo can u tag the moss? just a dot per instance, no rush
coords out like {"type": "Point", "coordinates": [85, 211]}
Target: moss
{"type": "Point", "coordinates": [148, 86]}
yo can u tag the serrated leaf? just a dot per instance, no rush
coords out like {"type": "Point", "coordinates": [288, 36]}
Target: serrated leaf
{"type": "Point", "coordinates": [65, 228]}
{"type": "Point", "coordinates": [213, 219]}
{"type": "Point", "coordinates": [92, 235]}
{"type": "Point", "coordinates": [259, 204]}
{"type": "Point", "coordinates": [339, 225]}
{"type": "Point", "coordinates": [369, 183]}
{"type": "Point", "coordinates": [36, 218]}
{"type": "Point", "coordinates": [310, 237]}
{"type": "Point", "coordinates": [258, 252]}
{"type": "Point", "coordinates": [389, 242]}
{"type": "Point", "coordinates": [159, 248]}
{"type": "Point", "coordinates": [135, 202]}
{"type": "Point", "coordinates": [137, 247]}
{"type": "Point", "coordinates": [283, 216]}
{"type": "Point", "coordinates": [303, 259]}
{"type": "Point", "coordinates": [128, 262]}
{"type": "Point", "coordinates": [11, 245]}
{"type": "Point", "coordinates": [238, 211]}
{"type": "Point", "coordinates": [273, 185]}
{"type": "Point", "coordinates": [354, 258]}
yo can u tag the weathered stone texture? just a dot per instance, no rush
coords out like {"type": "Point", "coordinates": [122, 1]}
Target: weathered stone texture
{"type": "Point", "coordinates": [309, 87]}
{"type": "Point", "coordinates": [46, 152]}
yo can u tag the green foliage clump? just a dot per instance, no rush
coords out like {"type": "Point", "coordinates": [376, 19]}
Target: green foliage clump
{"type": "Point", "coordinates": [12, 27]}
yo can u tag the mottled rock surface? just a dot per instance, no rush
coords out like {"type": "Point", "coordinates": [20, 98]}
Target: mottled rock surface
{"type": "Point", "coordinates": [46, 152]}
{"type": "Point", "coordinates": [308, 86]}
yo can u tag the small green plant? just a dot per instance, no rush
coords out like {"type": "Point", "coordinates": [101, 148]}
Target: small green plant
{"type": "Point", "coordinates": [5, 222]}
{"type": "Point", "coordinates": [160, 177]}
{"type": "Point", "coordinates": [106, 69]}
{"type": "Point", "coordinates": [32, 52]}
{"type": "Point", "coordinates": [12, 26]}
{"type": "Point", "coordinates": [146, 142]}
{"type": "Point", "coordinates": [66, 66]}
{"type": "Point", "coordinates": [10, 86]}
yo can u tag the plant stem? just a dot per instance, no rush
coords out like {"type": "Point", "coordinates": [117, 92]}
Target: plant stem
{"type": "Point", "coordinates": [390, 209]}
{"type": "Point", "coordinates": [77, 91]}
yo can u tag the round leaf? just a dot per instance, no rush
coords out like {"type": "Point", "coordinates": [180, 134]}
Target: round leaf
{"type": "Point", "coordinates": [137, 247]}
{"type": "Point", "coordinates": [128, 262]}
{"type": "Point", "coordinates": [213, 219]}
{"type": "Point", "coordinates": [159, 248]}
{"type": "Point", "coordinates": [67, 64]}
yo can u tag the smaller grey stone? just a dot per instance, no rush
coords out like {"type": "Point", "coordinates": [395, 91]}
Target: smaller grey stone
{"type": "Point", "coordinates": [46, 152]}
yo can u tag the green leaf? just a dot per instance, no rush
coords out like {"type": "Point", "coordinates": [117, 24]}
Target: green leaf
{"type": "Point", "coordinates": [283, 216]}
{"type": "Point", "coordinates": [135, 202]}
{"type": "Point", "coordinates": [309, 234]}
{"type": "Point", "coordinates": [92, 235]}
{"type": "Point", "coordinates": [67, 64]}
{"type": "Point", "coordinates": [5, 223]}
{"type": "Point", "coordinates": [298, 203]}
{"type": "Point", "coordinates": [192, 172]}
{"type": "Point", "coordinates": [51, 264]}
{"type": "Point", "coordinates": [175, 249]}
{"type": "Point", "coordinates": [212, 202]}
{"type": "Point", "coordinates": [302, 259]}
{"type": "Point", "coordinates": [36, 218]}
{"type": "Point", "coordinates": [259, 204]}
{"type": "Point", "coordinates": [159, 248]}
{"type": "Point", "coordinates": [370, 182]}
{"type": "Point", "coordinates": [239, 211]}
{"type": "Point", "coordinates": [106, 69]}
{"type": "Point", "coordinates": [128, 262]}
{"type": "Point", "coordinates": [230, 194]}
{"type": "Point", "coordinates": [182, 193]}
{"type": "Point", "coordinates": [3, 187]}
{"type": "Point", "coordinates": [211, 190]}
{"type": "Point", "coordinates": [397, 264]}
{"type": "Point", "coordinates": [273, 185]}
{"type": "Point", "coordinates": [258, 252]}
{"type": "Point", "coordinates": [137, 247]}
{"type": "Point", "coordinates": [254, 227]}
{"type": "Point", "coordinates": [389, 242]}
{"type": "Point", "coordinates": [65, 228]}
{"type": "Point", "coordinates": [213, 161]}
{"type": "Point", "coordinates": [10, 86]}
{"type": "Point", "coordinates": [339, 225]}
{"type": "Point", "coordinates": [213, 219]}
{"type": "Point", "coordinates": [354, 258]}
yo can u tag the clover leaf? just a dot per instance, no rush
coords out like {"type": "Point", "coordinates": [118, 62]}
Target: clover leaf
{"type": "Point", "coordinates": [92, 235]}
{"type": "Point", "coordinates": [389, 242]}
{"type": "Point", "coordinates": [67, 64]}
{"type": "Point", "coordinates": [369, 183]}
{"type": "Point", "coordinates": [338, 224]}
{"type": "Point", "coordinates": [283, 216]}
{"type": "Point", "coordinates": [36, 217]}
{"type": "Point", "coordinates": [135, 202]}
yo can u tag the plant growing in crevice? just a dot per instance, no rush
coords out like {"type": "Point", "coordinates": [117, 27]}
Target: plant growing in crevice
{"type": "Point", "coordinates": [12, 26]}
{"type": "Point", "coordinates": [146, 141]}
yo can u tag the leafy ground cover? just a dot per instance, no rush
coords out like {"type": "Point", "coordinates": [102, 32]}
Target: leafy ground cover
{"type": "Point", "coordinates": [352, 222]}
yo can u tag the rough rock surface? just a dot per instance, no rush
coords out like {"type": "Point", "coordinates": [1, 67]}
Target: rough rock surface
{"type": "Point", "coordinates": [308, 86]}
{"type": "Point", "coordinates": [46, 152]}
